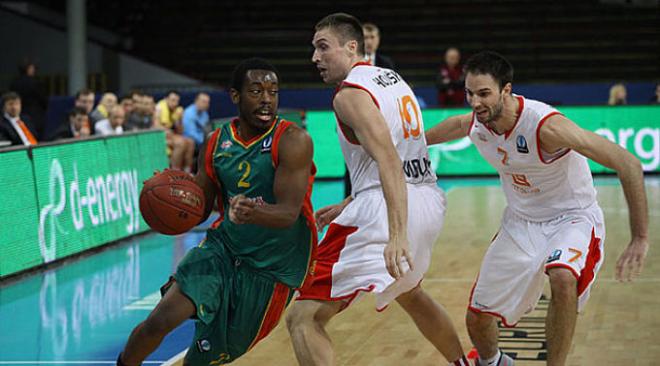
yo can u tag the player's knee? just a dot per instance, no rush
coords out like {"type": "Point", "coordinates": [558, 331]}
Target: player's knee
{"type": "Point", "coordinates": [410, 297]}
{"type": "Point", "coordinates": [475, 320]}
{"type": "Point", "coordinates": [563, 283]}
{"type": "Point", "coordinates": [297, 316]}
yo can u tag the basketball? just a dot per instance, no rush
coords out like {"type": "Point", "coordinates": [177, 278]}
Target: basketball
{"type": "Point", "coordinates": [171, 202]}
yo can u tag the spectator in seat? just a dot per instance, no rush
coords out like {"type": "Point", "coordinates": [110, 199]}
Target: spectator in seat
{"type": "Point", "coordinates": [75, 126]}
{"type": "Point", "coordinates": [371, 44]}
{"type": "Point", "coordinates": [113, 125]}
{"type": "Point", "coordinates": [618, 94]}
{"type": "Point", "coordinates": [15, 127]}
{"type": "Point", "coordinates": [195, 119]}
{"type": "Point", "coordinates": [451, 81]}
{"type": "Point", "coordinates": [656, 98]}
{"type": "Point", "coordinates": [33, 98]}
{"type": "Point", "coordinates": [85, 100]}
{"type": "Point", "coordinates": [168, 116]}
{"type": "Point", "coordinates": [108, 101]}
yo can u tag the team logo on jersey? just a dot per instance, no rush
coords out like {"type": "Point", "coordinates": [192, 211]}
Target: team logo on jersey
{"type": "Point", "coordinates": [521, 144]}
{"type": "Point", "coordinates": [203, 345]}
{"type": "Point", "coordinates": [554, 256]}
{"type": "Point", "coordinates": [226, 144]}
{"type": "Point", "coordinates": [267, 144]}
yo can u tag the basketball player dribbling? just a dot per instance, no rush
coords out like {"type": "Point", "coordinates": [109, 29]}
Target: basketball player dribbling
{"type": "Point", "coordinates": [552, 224]}
{"type": "Point", "coordinates": [380, 238]}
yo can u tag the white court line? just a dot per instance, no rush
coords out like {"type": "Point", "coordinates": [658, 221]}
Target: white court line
{"type": "Point", "coordinates": [176, 358]}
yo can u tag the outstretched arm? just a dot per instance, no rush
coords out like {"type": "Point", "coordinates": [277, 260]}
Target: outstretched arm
{"type": "Point", "coordinates": [204, 182]}
{"type": "Point", "coordinates": [290, 186]}
{"type": "Point", "coordinates": [356, 109]}
{"type": "Point", "coordinates": [560, 132]}
{"type": "Point", "coordinates": [450, 129]}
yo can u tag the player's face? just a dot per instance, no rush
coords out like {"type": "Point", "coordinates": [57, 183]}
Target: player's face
{"type": "Point", "coordinates": [332, 58]}
{"type": "Point", "coordinates": [258, 101]}
{"type": "Point", "coordinates": [485, 97]}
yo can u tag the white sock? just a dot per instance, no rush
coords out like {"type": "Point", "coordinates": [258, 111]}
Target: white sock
{"type": "Point", "coordinates": [491, 361]}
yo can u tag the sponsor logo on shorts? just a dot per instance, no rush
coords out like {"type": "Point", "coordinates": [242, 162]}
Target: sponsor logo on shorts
{"type": "Point", "coordinates": [203, 345]}
{"type": "Point", "coordinates": [554, 256]}
{"type": "Point", "coordinates": [521, 144]}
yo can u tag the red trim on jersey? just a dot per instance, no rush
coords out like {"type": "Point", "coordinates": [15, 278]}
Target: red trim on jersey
{"type": "Point", "coordinates": [594, 256]}
{"type": "Point", "coordinates": [238, 137]}
{"type": "Point", "coordinates": [362, 63]}
{"type": "Point", "coordinates": [279, 130]}
{"type": "Point", "coordinates": [273, 314]}
{"type": "Point", "coordinates": [471, 124]}
{"type": "Point", "coordinates": [208, 158]}
{"type": "Point", "coordinates": [210, 172]}
{"type": "Point", "coordinates": [538, 139]}
{"type": "Point", "coordinates": [320, 287]}
{"type": "Point", "coordinates": [521, 106]}
{"type": "Point", "coordinates": [358, 86]}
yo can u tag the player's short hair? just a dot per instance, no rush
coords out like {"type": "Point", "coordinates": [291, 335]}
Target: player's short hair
{"type": "Point", "coordinates": [370, 27]}
{"type": "Point", "coordinates": [347, 28]}
{"type": "Point", "coordinates": [238, 76]}
{"type": "Point", "coordinates": [490, 63]}
{"type": "Point", "coordinates": [172, 91]}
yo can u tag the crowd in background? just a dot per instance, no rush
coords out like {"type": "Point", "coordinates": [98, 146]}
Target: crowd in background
{"type": "Point", "coordinates": [24, 110]}
{"type": "Point", "coordinates": [25, 105]}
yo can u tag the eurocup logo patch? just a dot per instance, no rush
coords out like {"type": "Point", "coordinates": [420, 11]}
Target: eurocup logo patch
{"type": "Point", "coordinates": [554, 256]}
{"type": "Point", "coordinates": [267, 144]}
{"type": "Point", "coordinates": [521, 144]}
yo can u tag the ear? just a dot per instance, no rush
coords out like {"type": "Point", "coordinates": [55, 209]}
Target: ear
{"type": "Point", "coordinates": [352, 46]}
{"type": "Point", "coordinates": [235, 96]}
{"type": "Point", "coordinates": [507, 88]}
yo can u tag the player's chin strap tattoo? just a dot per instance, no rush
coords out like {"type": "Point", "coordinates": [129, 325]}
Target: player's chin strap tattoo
{"type": "Point", "coordinates": [119, 363]}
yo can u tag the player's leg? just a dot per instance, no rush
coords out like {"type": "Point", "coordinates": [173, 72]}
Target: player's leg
{"type": "Point", "coordinates": [562, 314]}
{"type": "Point", "coordinates": [178, 151]}
{"type": "Point", "coordinates": [172, 310]}
{"type": "Point", "coordinates": [483, 332]}
{"type": "Point", "coordinates": [434, 323]}
{"type": "Point", "coordinates": [306, 321]}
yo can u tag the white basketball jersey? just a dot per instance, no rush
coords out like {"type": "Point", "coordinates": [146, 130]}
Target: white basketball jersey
{"type": "Point", "coordinates": [538, 186]}
{"type": "Point", "coordinates": [401, 112]}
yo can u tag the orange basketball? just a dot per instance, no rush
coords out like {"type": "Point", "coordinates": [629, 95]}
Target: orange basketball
{"type": "Point", "coordinates": [171, 202]}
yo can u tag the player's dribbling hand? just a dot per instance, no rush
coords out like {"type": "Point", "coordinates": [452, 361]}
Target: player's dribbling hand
{"type": "Point", "coordinates": [395, 252]}
{"type": "Point", "coordinates": [240, 209]}
{"type": "Point", "coordinates": [631, 261]}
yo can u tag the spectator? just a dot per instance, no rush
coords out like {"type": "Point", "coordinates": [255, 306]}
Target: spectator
{"type": "Point", "coordinates": [113, 125]}
{"type": "Point", "coordinates": [618, 94]}
{"type": "Point", "coordinates": [168, 116]}
{"type": "Point", "coordinates": [33, 99]}
{"type": "Point", "coordinates": [108, 101]}
{"type": "Point", "coordinates": [451, 81]}
{"type": "Point", "coordinates": [371, 43]}
{"type": "Point", "coordinates": [141, 115]}
{"type": "Point", "coordinates": [656, 98]}
{"type": "Point", "coordinates": [195, 119]}
{"type": "Point", "coordinates": [15, 127]}
{"type": "Point", "coordinates": [76, 126]}
{"type": "Point", "coordinates": [85, 100]}
{"type": "Point", "coordinates": [128, 104]}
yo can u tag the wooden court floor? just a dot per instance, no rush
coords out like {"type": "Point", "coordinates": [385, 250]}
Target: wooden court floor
{"type": "Point", "coordinates": [620, 325]}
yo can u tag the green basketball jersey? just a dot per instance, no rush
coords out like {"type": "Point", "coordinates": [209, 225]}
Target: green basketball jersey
{"type": "Point", "coordinates": [248, 168]}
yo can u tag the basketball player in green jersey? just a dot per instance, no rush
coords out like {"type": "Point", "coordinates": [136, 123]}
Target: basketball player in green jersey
{"type": "Point", "coordinates": [238, 281]}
